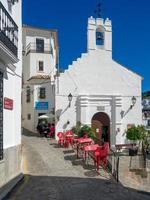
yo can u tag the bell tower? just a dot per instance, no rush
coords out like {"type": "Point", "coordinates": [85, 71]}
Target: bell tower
{"type": "Point", "coordinates": [99, 34]}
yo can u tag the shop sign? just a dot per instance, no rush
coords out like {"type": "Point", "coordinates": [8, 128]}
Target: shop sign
{"type": "Point", "coordinates": [8, 103]}
{"type": "Point", "coordinates": [41, 105]}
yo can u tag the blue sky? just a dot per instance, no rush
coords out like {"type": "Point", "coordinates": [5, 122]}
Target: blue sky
{"type": "Point", "coordinates": [131, 29]}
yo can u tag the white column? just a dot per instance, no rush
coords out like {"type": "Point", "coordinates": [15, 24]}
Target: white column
{"type": "Point", "coordinates": [113, 120]}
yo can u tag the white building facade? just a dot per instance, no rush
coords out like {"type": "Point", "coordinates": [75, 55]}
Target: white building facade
{"type": "Point", "coordinates": [106, 95]}
{"type": "Point", "coordinates": [39, 69]}
{"type": "Point", "coordinates": [10, 89]}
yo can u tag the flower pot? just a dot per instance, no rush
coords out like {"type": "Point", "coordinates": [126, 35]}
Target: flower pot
{"type": "Point", "coordinates": [133, 152]}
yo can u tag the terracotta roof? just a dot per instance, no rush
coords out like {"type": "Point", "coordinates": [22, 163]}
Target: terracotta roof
{"type": "Point", "coordinates": [39, 77]}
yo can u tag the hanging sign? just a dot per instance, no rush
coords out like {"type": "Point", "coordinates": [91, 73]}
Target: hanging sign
{"type": "Point", "coordinates": [8, 103]}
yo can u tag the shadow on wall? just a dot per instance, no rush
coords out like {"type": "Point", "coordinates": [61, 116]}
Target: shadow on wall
{"type": "Point", "coordinates": [65, 125]}
{"type": "Point", "coordinates": [60, 112]}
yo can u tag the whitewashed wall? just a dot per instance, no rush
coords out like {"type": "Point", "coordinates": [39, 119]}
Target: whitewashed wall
{"type": "Point", "coordinates": [94, 76]}
{"type": "Point", "coordinates": [12, 87]}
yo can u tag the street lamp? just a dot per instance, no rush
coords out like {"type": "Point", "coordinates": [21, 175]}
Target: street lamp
{"type": "Point", "coordinates": [70, 99]}
{"type": "Point", "coordinates": [133, 102]}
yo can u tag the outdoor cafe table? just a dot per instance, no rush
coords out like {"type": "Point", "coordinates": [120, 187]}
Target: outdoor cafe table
{"type": "Point", "coordinates": [82, 142]}
{"type": "Point", "coordinates": [89, 148]}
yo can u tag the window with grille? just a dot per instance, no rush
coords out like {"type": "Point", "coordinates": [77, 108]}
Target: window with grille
{"type": "Point", "coordinates": [41, 66]}
{"type": "Point", "coordinates": [1, 115]}
{"type": "Point", "coordinates": [39, 45]}
{"type": "Point", "coordinates": [28, 94]}
{"type": "Point", "coordinates": [42, 93]}
{"type": "Point", "coordinates": [29, 116]}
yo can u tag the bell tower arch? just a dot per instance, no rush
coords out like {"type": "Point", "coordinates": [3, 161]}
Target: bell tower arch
{"type": "Point", "coordinates": [99, 34]}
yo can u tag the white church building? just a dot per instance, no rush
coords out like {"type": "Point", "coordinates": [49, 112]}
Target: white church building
{"type": "Point", "coordinates": [105, 94]}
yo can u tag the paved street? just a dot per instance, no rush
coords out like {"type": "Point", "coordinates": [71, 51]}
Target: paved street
{"type": "Point", "coordinates": [53, 173]}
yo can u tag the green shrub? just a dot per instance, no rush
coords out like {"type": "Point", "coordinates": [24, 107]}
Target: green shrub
{"type": "Point", "coordinates": [88, 131]}
{"type": "Point", "coordinates": [135, 133]}
{"type": "Point", "coordinates": [76, 129]}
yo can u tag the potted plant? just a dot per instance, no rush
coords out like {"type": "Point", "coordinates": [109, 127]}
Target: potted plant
{"type": "Point", "coordinates": [76, 129]}
{"type": "Point", "coordinates": [134, 134]}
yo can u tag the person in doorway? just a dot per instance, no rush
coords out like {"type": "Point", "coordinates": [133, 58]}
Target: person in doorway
{"type": "Point", "coordinates": [52, 130]}
{"type": "Point", "coordinates": [42, 128]}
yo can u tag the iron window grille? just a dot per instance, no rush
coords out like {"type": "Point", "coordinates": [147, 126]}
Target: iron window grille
{"type": "Point", "coordinates": [28, 94]}
{"type": "Point", "coordinates": [41, 66]}
{"type": "Point", "coordinates": [8, 31]}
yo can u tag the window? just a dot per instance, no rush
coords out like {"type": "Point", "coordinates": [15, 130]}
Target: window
{"type": "Point", "coordinates": [1, 116]}
{"type": "Point", "coordinates": [99, 38]}
{"type": "Point", "coordinates": [29, 116]}
{"type": "Point", "coordinates": [28, 94]}
{"type": "Point", "coordinates": [40, 45]}
{"type": "Point", "coordinates": [148, 122]}
{"type": "Point", "coordinates": [41, 66]}
{"type": "Point", "coordinates": [42, 94]}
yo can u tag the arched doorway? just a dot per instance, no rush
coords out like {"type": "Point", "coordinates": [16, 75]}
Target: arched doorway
{"type": "Point", "coordinates": [101, 124]}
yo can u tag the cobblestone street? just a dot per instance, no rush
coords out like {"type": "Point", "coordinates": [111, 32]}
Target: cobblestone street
{"type": "Point", "coordinates": [53, 173]}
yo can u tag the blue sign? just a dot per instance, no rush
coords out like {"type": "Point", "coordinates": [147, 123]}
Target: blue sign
{"type": "Point", "coordinates": [41, 105]}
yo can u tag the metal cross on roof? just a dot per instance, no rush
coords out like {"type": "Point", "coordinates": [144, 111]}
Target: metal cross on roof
{"type": "Point", "coordinates": [97, 11]}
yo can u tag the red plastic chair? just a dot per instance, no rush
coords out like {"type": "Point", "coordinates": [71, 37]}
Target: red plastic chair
{"type": "Point", "coordinates": [101, 156]}
{"type": "Point", "coordinates": [68, 138]}
{"type": "Point", "coordinates": [60, 136]}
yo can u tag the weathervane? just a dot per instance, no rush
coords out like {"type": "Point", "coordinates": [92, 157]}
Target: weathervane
{"type": "Point", "coordinates": [97, 11]}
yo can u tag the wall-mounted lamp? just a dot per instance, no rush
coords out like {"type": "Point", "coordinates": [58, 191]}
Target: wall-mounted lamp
{"type": "Point", "coordinates": [23, 51]}
{"type": "Point", "coordinates": [133, 102]}
{"type": "Point", "coordinates": [68, 122]}
{"type": "Point", "coordinates": [70, 99]}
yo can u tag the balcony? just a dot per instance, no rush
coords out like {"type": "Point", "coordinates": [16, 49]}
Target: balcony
{"type": "Point", "coordinates": [8, 36]}
{"type": "Point", "coordinates": [35, 48]}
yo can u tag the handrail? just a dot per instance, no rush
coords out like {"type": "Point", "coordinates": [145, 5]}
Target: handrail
{"type": "Point", "coordinates": [126, 146]}
{"type": "Point", "coordinates": [117, 153]}
{"type": "Point", "coordinates": [115, 172]}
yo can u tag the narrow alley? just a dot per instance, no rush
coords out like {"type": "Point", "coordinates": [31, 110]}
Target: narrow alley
{"type": "Point", "coordinates": [53, 173]}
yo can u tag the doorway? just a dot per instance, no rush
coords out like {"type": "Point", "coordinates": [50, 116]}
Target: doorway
{"type": "Point", "coordinates": [101, 124]}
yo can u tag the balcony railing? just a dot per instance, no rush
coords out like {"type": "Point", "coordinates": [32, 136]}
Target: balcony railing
{"type": "Point", "coordinates": [8, 31]}
{"type": "Point", "coordinates": [34, 48]}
